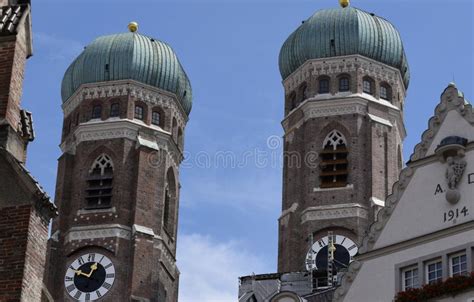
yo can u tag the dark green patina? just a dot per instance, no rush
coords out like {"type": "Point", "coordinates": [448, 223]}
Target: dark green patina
{"type": "Point", "coordinates": [340, 32]}
{"type": "Point", "coordinates": [129, 56]}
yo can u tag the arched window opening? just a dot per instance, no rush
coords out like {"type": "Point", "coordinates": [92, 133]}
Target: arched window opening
{"type": "Point", "coordinates": [385, 92]}
{"type": "Point", "coordinates": [304, 92]}
{"type": "Point", "coordinates": [96, 112]}
{"type": "Point", "coordinates": [174, 130]}
{"type": "Point", "coordinates": [169, 204]}
{"type": "Point", "coordinates": [156, 118]}
{"type": "Point", "coordinates": [368, 85]}
{"type": "Point", "coordinates": [323, 86]}
{"type": "Point", "coordinates": [334, 163]}
{"type": "Point", "coordinates": [114, 110]}
{"type": "Point", "coordinates": [344, 84]}
{"type": "Point", "coordinates": [180, 138]}
{"type": "Point", "coordinates": [99, 181]}
{"type": "Point", "coordinates": [166, 208]}
{"type": "Point", "coordinates": [139, 112]}
{"type": "Point", "coordinates": [292, 100]}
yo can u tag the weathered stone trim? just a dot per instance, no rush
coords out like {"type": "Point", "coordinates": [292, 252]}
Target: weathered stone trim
{"type": "Point", "coordinates": [347, 210]}
{"type": "Point", "coordinates": [345, 64]}
{"type": "Point", "coordinates": [143, 92]}
{"type": "Point", "coordinates": [98, 231]}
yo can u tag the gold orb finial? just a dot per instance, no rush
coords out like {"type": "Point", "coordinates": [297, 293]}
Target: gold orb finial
{"type": "Point", "coordinates": [133, 26]}
{"type": "Point", "coordinates": [344, 3]}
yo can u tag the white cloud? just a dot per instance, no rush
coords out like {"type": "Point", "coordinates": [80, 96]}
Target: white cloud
{"type": "Point", "coordinates": [210, 269]}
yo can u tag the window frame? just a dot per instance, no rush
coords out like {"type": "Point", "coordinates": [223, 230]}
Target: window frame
{"type": "Point", "coordinates": [96, 113]}
{"type": "Point", "coordinates": [451, 264]}
{"type": "Point", "coordinates": [114, 109]}
{"type": "Point", "coordinates": [388, 92]}
{"type": "Point", "coordinates": [427, 271]}
{"type": "Point", "coordinates": [403, 278]}
{"type": "Point", "coordinates": [371, 83]}
{"type": "Point", "coordinates": [136, 114]}
{"type": "Point", "coordinates": [327, 86]}
{"type": "Point", "coordinates": [153, 114]}
{"type": "Point", "coordinates": [344, 78]}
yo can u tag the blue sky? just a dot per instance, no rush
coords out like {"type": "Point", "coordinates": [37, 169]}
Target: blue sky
{"type": "Point", "coordinates": [228, 215]}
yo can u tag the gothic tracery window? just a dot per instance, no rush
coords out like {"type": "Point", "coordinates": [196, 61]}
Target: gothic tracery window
{"type": "Point", "coordinates": [99, 181]}
{"type": "Point", "coordinates": [334, 163]}
{"type": "Point", "coordinates": [169, 204]}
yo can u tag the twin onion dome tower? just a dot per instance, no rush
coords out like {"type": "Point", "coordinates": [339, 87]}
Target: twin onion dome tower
{"type": "Point", "coordinates": [345, 76]}
{"type": "Point", "coordinates": [126, 102]}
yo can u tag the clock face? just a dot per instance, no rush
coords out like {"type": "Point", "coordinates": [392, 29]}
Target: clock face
{"type": "Point", "coordinates": [89, 277]}
{"type": "Point", "coordinates": [317, 257]}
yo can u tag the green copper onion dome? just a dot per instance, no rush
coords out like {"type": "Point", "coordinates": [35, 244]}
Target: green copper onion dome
{"type": "Point", "coordinates": [129, 56]}
{"type": "Point", "coordinates": [340, 32]}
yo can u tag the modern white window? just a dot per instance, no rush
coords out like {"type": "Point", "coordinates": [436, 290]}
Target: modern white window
{"type": "Point", "coordinates": [410, 278]}
{"type": "Point", "coordinates": [458, 265]}
{"type": "Point", "coordinates": [434, 271]}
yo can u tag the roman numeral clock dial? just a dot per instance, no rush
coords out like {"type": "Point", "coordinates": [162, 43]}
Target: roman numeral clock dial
{"type": "Point", "coordinates": [317, 257]}
{"type": "Point", "coordinates": [89, 277]}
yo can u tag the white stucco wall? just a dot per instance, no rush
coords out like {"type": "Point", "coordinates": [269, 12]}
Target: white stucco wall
{"type": "Point", "coordinates": [375, 281]}
{"type": "Point", "coordinates": [420, 211]}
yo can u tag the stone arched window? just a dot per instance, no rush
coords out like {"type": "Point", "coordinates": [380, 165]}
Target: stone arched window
{"type": "Point", "coordinates": [368, 85]}
{"type": "Point", "coordinates": [174, 130]}
{"type": "Point", "coordinates": [169, 204]}
{"type": "Point", "coordinates": [324, 85]}
{"type": "Point", "coordinates": [385, 91]}
{"type": "Point", "coordinates": [114, 109]}
{"type": "Point", "coordinates": [99, 183]}
{"type": "Point", "coordinates": [139, 113]}
{"type": "Point", "coordinates": [303, 92]}
{"type": "Point", "coordinates": [344, 83]}
{"type": "Point", "coordinates": [292, 101]}
{"type": "Point", "coordinates": [334, 161]}
{"type": "Point", "coordinates": [156, 118]}
{"type": "Point", "coordinates": [96, 112]}
{"type": "Point", "coordinates": [180, 138]}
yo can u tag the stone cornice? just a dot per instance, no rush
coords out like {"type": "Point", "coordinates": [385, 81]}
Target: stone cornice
{"type": "Point", "coordinates": [143, 92]}
{"type": "Point", "coordinates": [97, 231]}
{"type": "Point", "coordinates": [341, 105]}
{"type": "Point", "coordinates": [345, 64]}
{"type": "Point", "coordinates": [121, 128]}
{"type": "Point", "coordinates": [346, 210]}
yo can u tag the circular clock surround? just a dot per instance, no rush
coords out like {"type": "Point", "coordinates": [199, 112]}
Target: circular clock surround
{"type": "Point", "coordinates": [89, 277]}
{"type": "Point", "coordinates": [317, 256]}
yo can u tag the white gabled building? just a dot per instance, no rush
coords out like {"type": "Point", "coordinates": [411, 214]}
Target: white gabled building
{"type": "Point", "coordinates": [425, 233]}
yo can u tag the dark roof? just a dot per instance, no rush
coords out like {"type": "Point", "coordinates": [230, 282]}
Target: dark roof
{"type": "Point", "coordinates": [10, 17]}
{"type": "Point", "coordinates": [43, 203]}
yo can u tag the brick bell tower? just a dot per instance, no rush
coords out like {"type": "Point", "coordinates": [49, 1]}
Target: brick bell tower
{"type": "Point", "coordinates": [345, 77]}
{"type": "Point", "coordinates": [126, 101]}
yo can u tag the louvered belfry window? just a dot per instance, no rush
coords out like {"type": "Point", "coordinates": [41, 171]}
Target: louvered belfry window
{"type": "Point", "coordinates": [99, 181]}
{"type": "Point", "coordinates": [334, 163]}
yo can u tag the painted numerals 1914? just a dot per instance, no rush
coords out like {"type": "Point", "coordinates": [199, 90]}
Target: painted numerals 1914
{"type": "Point", "coordinates": [456, 213]}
